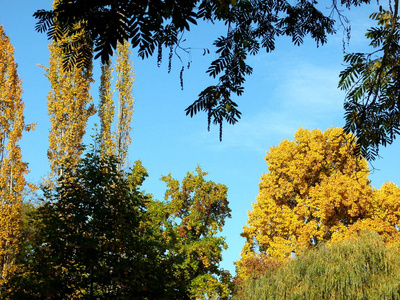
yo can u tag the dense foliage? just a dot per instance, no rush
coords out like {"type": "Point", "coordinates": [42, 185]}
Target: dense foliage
{"type": "Point", "coordinates": [87, 242]}
{"type": "Point", "coordinates": [97, 236]}
{"type": "Point", "coordinates": [358, 268]}
{"type": "Point", "coordinates": [118, 141]}
{"type": "Point", "coordinates": [69, 105]}
{"type": "Point", "coordinates": [316, 191]}
{"type": "Point", "coordinates": [193, 213]}
{"type": "Point", "coordinates": [12, 168]}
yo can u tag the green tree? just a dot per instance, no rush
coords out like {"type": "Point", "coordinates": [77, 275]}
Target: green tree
{"type": "Point", "coordinates": [89, 242]}
{"type": "Point", "coordinates": [357, 268]}
{"type": "Point", "coordinates": [372, 85]}
{"type": "Point", "coordinates": [152, 26]}
{"type": "Point", "coordinates": [187, 222]}
{"type": "Point", "coordinates": [98, 236]}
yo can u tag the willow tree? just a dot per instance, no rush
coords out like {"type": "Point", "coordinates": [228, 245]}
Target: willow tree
{"type": "Point", "coordinates": [316, 191]}
{"type": "Point", "coordinates": [12, 168]}
{"type": "Point", "coordinates": [69, 109]}
{"type": "Point", "coordinates": [361, 267]}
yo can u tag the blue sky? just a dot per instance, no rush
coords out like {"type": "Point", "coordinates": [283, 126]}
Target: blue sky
{"type": "Point", "coordinates": [290, 88]}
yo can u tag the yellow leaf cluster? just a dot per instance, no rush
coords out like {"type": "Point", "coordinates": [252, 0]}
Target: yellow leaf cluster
{"type": "Point", "coordinates": [106, 111]}
{"type": "Point", "coordinates": [316, 191]}
{"type": "Point", "coordinates": [117, 142]}
{"type": "Point", "coordinates": [12, 168]}
{"type": "Point", "coordinates": [125, 100]}
{"type": "Point", "coordinates": [69, 107]}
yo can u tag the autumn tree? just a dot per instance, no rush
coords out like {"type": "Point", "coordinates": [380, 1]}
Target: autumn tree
{"type": "Point", "coordinates": [187, 222]}
{"type": "Point", "coordinates": [106, 111]}
{"type": "Point", "coordinates": [117, 142]}
{"type": "Point", "coordinates": [12, 168]}
{"type": "Point", "coordinates": [125, 101]}
{"type": "Point", "coordinates": [384, 216]}
{"type": "Point", "coordinates": [316, 191]}
{"type": "Point", "coordinates": [361, 267]}
{"type": "Point", "coordinates": [69, 109]}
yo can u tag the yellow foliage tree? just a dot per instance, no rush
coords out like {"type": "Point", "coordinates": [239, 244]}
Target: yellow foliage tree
{"type": "Point", "coordinates": [125, 101]}
{"type": "Point", "coordinates": [69, 109]}
{"type": "Point", "coordinates": [384, 216]}
{"type": "Point", "coordinates": [316, 191]}
{"type": "Point", "coordinates": [12, 168]}
{"type": "Point", "coordinates": [117, 142]}
{"type": "Point", "coordinates": [106, 111]}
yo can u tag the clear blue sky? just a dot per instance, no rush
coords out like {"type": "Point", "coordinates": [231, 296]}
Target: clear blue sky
{"type": "Point", "coordinates": [290, 88]}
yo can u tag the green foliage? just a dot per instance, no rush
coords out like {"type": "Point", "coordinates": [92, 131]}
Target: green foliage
{"type": "Point", "coordinates": [28, 230]}
{"type": "Point", "coordinates": [98, 236]}
{"type": "Point", "coordinates": [193, 213]}
{"type": "Point", "coordinates": [89, 242]}
{"type": "Point", "coordinates": [357, 268]}
{"type": "Point", "coordinates": [152, 26]}
{"type": "Point", "coordinates": [372, 83]}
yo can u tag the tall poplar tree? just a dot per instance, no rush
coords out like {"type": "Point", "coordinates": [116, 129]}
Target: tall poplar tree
{"type": "Point", "coordinates": [12, 168]}
{"type": "Point", "coordinates": [125, 101]}
{"type": "Point", "coordinates": [106, 111]}
{"type": "Point", "coordinates": [117, 142]}
{"type": "Point", "coordinates": [69, 109]}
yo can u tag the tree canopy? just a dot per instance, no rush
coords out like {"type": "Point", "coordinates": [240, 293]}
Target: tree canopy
{"type": "Point", "coordinates": [97, 235]}
{"type": "Point", "coordinates": [156, 25]}
{"type": "Point", "coordinates": [87, 240]}
{"type": "Point", "coordinates": [316, 191]}
{"type": "Point", "coordinates": [187, 222]}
